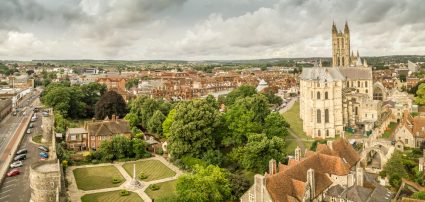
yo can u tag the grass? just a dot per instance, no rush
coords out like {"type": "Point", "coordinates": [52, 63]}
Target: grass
{"type": "Point", "coordinates": [292, 116]}
{"type": "Point", "coordinates": [97, 177]}
{"type": "Point", "coordinates": [113, 196]}
{"type": "Point", "coordinates": [167, 190]}
{"type": "Point", "coordinates": [154, 169]}
{"type": "Point", "coordinates": [291, 144]}
{"type": "Point", "coordinates": [37, 138]}
{"type": "Point", "coordinates": [390, 130]}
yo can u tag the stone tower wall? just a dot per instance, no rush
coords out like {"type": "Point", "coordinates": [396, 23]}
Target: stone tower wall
{"type": "Point", "coordinates": [45, 185]}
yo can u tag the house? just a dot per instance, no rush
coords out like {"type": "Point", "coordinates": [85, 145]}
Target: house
{"type": "Point", "coordinates": [410, 132]}
{"type": "Point", "coordinates": [94, 132]}
{"type": "Point", "coordinates": [332, 173]}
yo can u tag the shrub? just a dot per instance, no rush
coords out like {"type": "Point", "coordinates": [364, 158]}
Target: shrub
{"type": "Point", "coordinates": [142, 176]}
{"type": "Point", "coordinates": [116, 180]}
{"type": "Point", "coordinates": [154, 187]}
{"type": "Point", "coordinates": [94, 161]}
{"type": "Point", "coordinates": [159, 151]}
{"type": "Point", "coordinates": [124, 192]}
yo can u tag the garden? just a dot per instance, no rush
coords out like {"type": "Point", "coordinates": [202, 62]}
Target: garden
{"type": "Point", "coordinates": [149, 170]}
{"type": "Point", "coordinates": [101, 177]}
{"type": "Point", "coordinates": [113, 196]}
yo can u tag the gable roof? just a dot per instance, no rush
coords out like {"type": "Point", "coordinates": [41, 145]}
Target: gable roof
{"type": "Point", "coordinates": [108, 127]}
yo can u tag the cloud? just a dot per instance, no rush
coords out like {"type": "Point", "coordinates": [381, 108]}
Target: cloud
{"type": "Point", "coordinates": [202, 29]}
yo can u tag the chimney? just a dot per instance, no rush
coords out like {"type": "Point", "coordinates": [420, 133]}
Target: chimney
{"type": "Point", "coordinates": [329, 143]}
{"type": "Point", "coordinates": [260, 185]}
{"type": "Point", "coordinates": [272, 167]}
{"type": "Point", "coordinates": [359, 176]}
{"type": "Point", "coordinates": [350, 180]}
{"type": "Point", "coordinates": [298, 153]}
{"type": "Point", "coordinates": [113, 118]}
{"type": "Point", "coordinates": [311, 182]}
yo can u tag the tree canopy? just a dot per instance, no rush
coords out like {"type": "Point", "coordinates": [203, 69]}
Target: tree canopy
{"type": "Point", "coordinates": [111, 103]}
{"type": "Point", "coordinates": [420, 95]}
{"type": "Point", "coordinates": [241, 92]}
{"type": "Point", "coordinates": [205, 184]}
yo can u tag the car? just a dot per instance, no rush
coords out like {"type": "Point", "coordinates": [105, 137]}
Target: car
{"type": "Point", "coordinates": [13, 172]}
{"type": "Point", "coordinates": [28, 131]}
{"type": "Point", "coordinates": [43, 148]}
{"type": "Point", "coordinates": [33, 119]}
{"type": "Point", "coordinates": [20, 157]}
{"type": "Point", "coordinates": [44, 155]}
{"type": "Point", "coordinates": [31, 125]}
{"type": "Point", "coordinates": [16, 164]}
{"type": "Point", "coordinates": [21, 151]}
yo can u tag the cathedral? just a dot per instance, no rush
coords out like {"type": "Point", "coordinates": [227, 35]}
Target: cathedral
{"type": "Point", "coordinates": [338, 98]}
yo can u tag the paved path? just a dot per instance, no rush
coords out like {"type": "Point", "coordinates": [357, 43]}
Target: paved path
{"type": "Point", "coordinates": [76, 194]}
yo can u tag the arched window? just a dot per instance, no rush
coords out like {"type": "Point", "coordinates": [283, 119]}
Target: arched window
{"type": "Point", "coordinates": [367, 91]}
{"type": "Point", "coordinates": [319, 116]}
{"type": "Point", "coordinates": [326, 95]}
{"type": "Point", "coordinates": [327, 133]}
{"type": "Point", "coordinates": [311, 94]}
{"type": "Point", "coordinates": [318, 95]}
{"type": "Point", "coordinates": [318, 133]}
{"type": "Point", "coordinates": [326, 115]}
{"type": "Point", "coordinates": [365, 84]}
{"type": "Point", "coordinates": [358, 84]}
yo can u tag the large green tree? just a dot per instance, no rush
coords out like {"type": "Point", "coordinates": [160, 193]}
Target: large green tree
{"type": "Point", "coordinates": [205, 184]}
{"type": "Point", "coordinates": [246, 115]}
{"type": "Point", "coordinates": [241, 92]}
{"type": "Point", "coordinates": [142, 109]}
{"type": "Point", "coordinates": [155, 122]}
{"type": "Point", "coordinates": [256, 154]}
{"type": "Point", "coordinates": [111, 103]}
{"type": "Point", "coordinates": [275, 125]}
{"type": "Point", "coordinates": [193, 130]}
{"type": "Point", "coordinates": [91, 94]}
{"type": "Point", "coordinates": [420, 95]}
{"type": "Point", "coordinates": [166, 125]}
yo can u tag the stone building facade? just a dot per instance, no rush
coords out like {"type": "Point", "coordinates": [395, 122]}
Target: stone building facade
{"type": "Point", "coordinates": [45, 181]}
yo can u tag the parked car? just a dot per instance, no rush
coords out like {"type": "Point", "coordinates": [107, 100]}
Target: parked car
{"type": "Point", "coordinates": [28, 131]}
{"type": "Point", "coordinates": [21, 151]}
{"type": "Point", "coordinates": [44, 155]}
{"type": "Point", "coordinates": [13, 172]}
{"type": "Point", "coordinates": [16, 164]}
{"type": "Point", "coordinates": [33, 119]}
{"type": "Point", "coordinates": [43, 148]}
{"type": "Point", "coordinates": [20, 157]}
{"type": "Point", "coordinates": [45, 114]}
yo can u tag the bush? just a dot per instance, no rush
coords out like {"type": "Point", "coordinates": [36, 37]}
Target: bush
{"type": "Point", "coordinates": [94, 161]}
{"type": "Point", "coordinates": [116, 180]}
{"type": "Point", "coordinates": [143, 176]}
{"type": "Point", "coordinates": [159, 151]}
{"type": "Point", "coordinates": [154, 187]}
{"type": "Point", "coordinates": [124, 192]}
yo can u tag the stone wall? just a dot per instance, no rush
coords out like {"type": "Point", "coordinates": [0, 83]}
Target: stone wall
{"type": "Point", "coordinates": [45, 181]}
{"type": "Point", "coordinates": [47, 124]}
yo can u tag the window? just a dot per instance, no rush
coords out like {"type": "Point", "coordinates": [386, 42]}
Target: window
{"type": "Point", "coordinates": [367, 91]}
{"type": "Point", "coordinates": [84, 136]}
{"type": "Point", "coordinates": [311, 94]}
{"type": "Point", "coordinates": [73, 137]}
{"type": "Point", "coordinates": [92, 137]}
{"type": "Point", "coordinates": [365, 84]}
{"type": "Point", "coordinates": [327, 133]}
{"type": "Point", "coordinates": [365, 115]}
{"type": "Point", "coordinates": [251, 197]}
{"type": "Point", "coordinates": [358, 83]}
{"type": "Point", "coordinates": [356, 111]}
{"type": "Point", "coordinates": [318, 133]}
{"type": "Point", "coordinates": [318, 95]}
{"type": "Point", "coordinates": [406, 141]}
{"type": "Point", "coordinates": [319, 116]}
{"type": "Point", "coordinates": [326, 95]}
{"type": "Point", "coordinates": [326, 115]}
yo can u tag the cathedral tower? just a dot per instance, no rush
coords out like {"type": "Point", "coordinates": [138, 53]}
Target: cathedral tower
{"type": "Point", "coordinates": [340, 46]}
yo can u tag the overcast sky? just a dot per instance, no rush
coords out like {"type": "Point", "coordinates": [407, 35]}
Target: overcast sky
{"type": "Point", "coordinates": [205, 29]}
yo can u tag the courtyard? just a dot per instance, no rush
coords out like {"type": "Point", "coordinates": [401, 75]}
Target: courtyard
{"type": "Point", "coordinates": [103, 182]}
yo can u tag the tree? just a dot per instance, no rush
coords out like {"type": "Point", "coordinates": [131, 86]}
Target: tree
{"type": "Point", "coordinates": [65, 99]}
{"type": "Point", "coordinates": [131, 83]}
{"type": "Point", "coordinates": [167, 123]}
{"type": "Point", "coordinates": [239, 185]}
{"type": "Point", "coordinates": [272, 98]}
{"type": "Point", "coordinates": [246, 115]}
{"type": "Point", "coordinates": [256, 154]}
{"type": "Point", "coordinates": [395, 169]}
{"type": "Point", "coordinates": [193, 130]}
{"type": "Point", "coordinates": [111, 103]}
{"type": "Point", "coordinates": [419, 195]}
{"type": "Point", "coordinates": [241, 92]}
{"type": "Point", "coordinates": [420, 95]}
{"type": "Point", "coordinates": [155, 122]}
{"type": "Point", "coordinates": [139, 148]}
{"type": "Point", "coordinates": [275, 125]}
{"type": "Point", "coordinates": [205, 184]}
{"type": "Point", "coordinates": [143, 109]}
{"type": "Point", "coordinates": [91, 94]}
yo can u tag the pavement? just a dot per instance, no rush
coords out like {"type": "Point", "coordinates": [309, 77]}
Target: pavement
{"type": "Point", "coordinates": [76, 194]}
{"type": "Point", "coordinates": [17, 188]}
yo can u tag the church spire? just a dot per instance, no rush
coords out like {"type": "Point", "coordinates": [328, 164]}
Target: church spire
{"type": "Point", "coordinates": [346, 29]}
{"type": "Point", "coordinates": [334, 30]}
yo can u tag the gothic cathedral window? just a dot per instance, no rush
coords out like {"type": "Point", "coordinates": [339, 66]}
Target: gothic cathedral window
{"type": "Point", "coordinates": [326, 95]}
{"type": "Point", "coordinates": [318, 95]}
{"type": "Point", "coordinates": [319, 116]}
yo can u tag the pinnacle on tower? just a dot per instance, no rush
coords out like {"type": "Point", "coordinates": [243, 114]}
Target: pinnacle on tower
{"type": "Point", "coordinates": [346, 29]}
{"type": "Point", "coordinates": [334, 30]}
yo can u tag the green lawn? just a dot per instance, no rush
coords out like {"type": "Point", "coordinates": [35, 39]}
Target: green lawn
{"type": "Point", "coordinates": [37, 138]}
{"type": "Point", "coordinates": [391, 127]}
{"type": "Point", "coordinates": [291, 144]}
{"type": "Point", "coordinates": [167, 190]}
{"type": "Point", "coordinates": [113, 196]}
{"type": "Point", "coordinates": [292, 116]}
{"type": "Point", "coordinates": [97, 177]}
{"type": "Point", "coordinates": [154, 169]}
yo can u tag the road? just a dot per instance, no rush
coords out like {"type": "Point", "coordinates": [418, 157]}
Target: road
{"type": "Point", "coordinates": [17, 188]}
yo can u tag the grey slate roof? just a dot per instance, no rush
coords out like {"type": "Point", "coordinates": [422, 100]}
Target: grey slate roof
{"type": "Point", "coordinates": [356, 73]}
{"type": "Point", "coordinates": [357, 193]}
{"type": "Point", "coordinates": [322, 73]}
{"type": "Point", "coordinates": [335, 190]}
